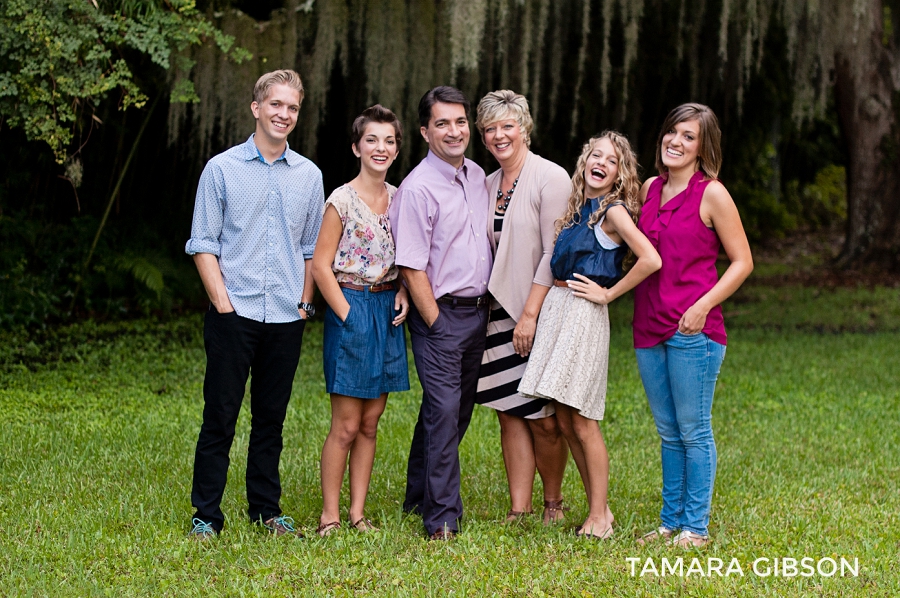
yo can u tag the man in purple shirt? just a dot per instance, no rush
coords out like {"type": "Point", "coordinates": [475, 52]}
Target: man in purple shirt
{"type": "Point", "coordinates": [439, 218]}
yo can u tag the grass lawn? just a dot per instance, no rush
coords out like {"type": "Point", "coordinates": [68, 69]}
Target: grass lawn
{"type": "Point", "coordinates": [100, 420]}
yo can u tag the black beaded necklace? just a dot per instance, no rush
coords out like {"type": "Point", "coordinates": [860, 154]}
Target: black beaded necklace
{"type": "Point", "coordinates": [507, 198]}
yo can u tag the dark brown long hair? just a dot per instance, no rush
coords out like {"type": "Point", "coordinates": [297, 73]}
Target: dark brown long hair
{"type": "Point", "coordinates": [709, 156]}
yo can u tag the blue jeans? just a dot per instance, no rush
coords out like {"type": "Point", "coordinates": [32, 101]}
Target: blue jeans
{"type": "Point", "coordinates": [679, 377]}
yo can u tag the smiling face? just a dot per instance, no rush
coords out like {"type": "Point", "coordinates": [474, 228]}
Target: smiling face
{"type": "Point", "coordinates": [504, 140]}
{"type": "Point", "coordinates": [276, 115]}
{"type": "Point", "coordinates": [681, 146]}
{"type": "Point", "coordinates": [377, 148]}
{"type": "Point", "coordinates": [447, 133]}
{"type": "Point", "coordinates": [601, 169]}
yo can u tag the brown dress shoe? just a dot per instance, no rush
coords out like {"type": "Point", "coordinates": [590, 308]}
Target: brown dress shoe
{"type": "Point", "coordinates": [443, 534]}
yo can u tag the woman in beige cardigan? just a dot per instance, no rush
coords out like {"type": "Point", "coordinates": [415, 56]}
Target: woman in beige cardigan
{"type": "Point", "coordinates": [531, 193]}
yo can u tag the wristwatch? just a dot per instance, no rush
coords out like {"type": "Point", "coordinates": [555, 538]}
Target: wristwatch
{"type": "Point", "coordinates": [309, 308]}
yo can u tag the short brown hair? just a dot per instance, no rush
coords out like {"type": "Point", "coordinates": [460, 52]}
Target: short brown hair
{"type": "Point", "coordinates": [443, 94]}
{"type": "Point", "coordinates": [503, 104]}
{"type": "Point", "coordinates": [280, 77]}
{"type": "Point", "coordinates": [709, 155]}
{"type": "Point", "coordinates": [375, 114]}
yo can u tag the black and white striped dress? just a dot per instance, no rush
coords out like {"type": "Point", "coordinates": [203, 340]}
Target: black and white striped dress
{"type": "Point", "coordinates": [501, 367]}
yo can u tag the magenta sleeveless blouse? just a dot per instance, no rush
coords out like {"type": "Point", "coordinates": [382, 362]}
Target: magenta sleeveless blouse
{"type": "Point", "coordinates": [688, 249]}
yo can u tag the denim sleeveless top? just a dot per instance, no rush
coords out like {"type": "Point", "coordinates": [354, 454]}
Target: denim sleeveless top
{"type": "Point", "coordinates": [689, 250]}
{"type": "Point", "coordinates": [577, 250]}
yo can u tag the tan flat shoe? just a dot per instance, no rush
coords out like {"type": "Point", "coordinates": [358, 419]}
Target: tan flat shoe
{"type": "Point", "coordinates": [364, 524]}
{"type": "Point", "coordinates": [687, 539]}
{"type": "Point", "coordinates": [605, 535]}
{"type": "Point", "coordinates": [660, 533]}
{"type": "Point", "coordinates": [326, 529]}
{"type": "Point", "coordinates": [516, 516]}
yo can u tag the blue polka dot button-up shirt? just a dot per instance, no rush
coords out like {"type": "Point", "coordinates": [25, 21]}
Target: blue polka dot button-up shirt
{"type": "Point", "coordinates": [261, 220]}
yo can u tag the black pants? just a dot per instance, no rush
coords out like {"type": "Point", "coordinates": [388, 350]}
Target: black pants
{"type": "Point", "coordinates": [235, 348]}
{"type": "Point", "coordinates": [448, 356]}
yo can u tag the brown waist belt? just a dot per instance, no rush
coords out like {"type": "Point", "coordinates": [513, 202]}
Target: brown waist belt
{"type": "Point", "coordinates": [372, 288]}
{"type": "Point", "coordinates": [560, 283]}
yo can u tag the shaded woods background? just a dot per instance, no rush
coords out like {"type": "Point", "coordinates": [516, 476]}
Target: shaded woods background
{"type": "Point", "coordinates": [584, 65]}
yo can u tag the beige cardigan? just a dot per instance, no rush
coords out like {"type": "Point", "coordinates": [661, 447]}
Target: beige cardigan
{"type": "Point", "coordinates": [529, 231]}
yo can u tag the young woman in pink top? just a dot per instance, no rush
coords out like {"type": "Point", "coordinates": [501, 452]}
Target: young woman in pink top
{"type": "Point", "coordinates": [679, 333]}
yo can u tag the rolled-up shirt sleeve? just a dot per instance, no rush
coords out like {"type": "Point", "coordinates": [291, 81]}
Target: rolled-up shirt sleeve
{"type": "Point", "coordinates": [555, 190]}
{"type": "Point", "coordinates": [209, 210]}
{"type": "Point", "coordinates": [313, 219]}
{"type": "Point", "coordinates": [411, 223]}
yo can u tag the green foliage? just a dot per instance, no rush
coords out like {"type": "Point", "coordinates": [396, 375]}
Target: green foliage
{"type": "Point", "coordinates": [183, 92]}
{"type": "Point", "coordinates": [24, 299]}
{"type": "Point", "coordinates": [822, 202]}
{"type": "Point", "coordinates": [58, 58]}
{"type": "Point", "coordinates": [143, 271]}
{"type": "Point", "coordinates": [129, 284]}
{"type": "Point", "coordinates": [40, 265]}
{"type": "Point", "coordinates": [36, 264]}
{"type": "Point", "coordinates": [763, 215]}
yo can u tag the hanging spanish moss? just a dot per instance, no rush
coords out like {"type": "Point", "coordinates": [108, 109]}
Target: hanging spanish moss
{"type": "Point", "coordinates": [538, 47]}
{"type": "Point", "coordinates": [632, 12]}
{"type": "Point", "coordinates": [404, 47]}
{"type": "Point", "coordinates": [582, 60]}
{"type": "Point", "coordinates": [466, 33]}
{"type": "Point", "coordinates": [817, 31]}
{"type": "Point", "coordinates": [576, 60]}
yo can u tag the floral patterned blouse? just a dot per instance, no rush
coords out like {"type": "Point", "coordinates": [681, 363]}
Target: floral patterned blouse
{"type": "Point", "coordinates": [365, 253]}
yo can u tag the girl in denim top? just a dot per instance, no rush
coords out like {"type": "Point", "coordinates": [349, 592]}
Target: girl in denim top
{"type": "Point", "coordinates": [571, 349]}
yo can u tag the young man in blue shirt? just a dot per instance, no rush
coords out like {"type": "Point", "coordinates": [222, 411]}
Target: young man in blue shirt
{"type": "Point", "coordinates": [256, 219]}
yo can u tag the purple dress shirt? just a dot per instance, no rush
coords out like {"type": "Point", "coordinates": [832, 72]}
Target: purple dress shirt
{"type": "Point", "coordinates": [439, 219]}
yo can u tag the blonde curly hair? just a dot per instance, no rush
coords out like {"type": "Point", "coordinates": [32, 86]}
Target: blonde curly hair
{"type": "Point", "coordinates": [626, 188]}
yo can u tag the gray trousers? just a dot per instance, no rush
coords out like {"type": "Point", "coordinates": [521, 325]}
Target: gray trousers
{"type": "Point", "coordinates": [448, 356]}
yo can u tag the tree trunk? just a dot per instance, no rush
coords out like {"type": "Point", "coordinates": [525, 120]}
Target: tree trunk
{"type": "Point", "coordinates": [867, 78]}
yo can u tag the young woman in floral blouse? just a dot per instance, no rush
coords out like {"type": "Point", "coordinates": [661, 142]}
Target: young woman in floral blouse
{"type": "Point", "coordinates": [365, 345]}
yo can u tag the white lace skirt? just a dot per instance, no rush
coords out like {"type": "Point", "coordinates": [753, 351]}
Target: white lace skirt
{"type": "Point", "coordinates": [570, 357]}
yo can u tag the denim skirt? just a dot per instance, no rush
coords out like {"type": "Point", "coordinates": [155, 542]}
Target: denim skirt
{"type": "Point", "coordinates": [365, 355]}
